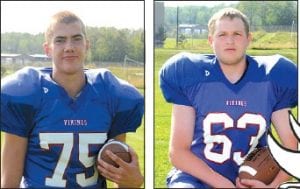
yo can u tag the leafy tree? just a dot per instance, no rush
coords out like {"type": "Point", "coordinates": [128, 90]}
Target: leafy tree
{"type": "Point", "coordinates": [268, 13]}
{"type": "Point", "coordinates": [160, 36]}
{"type": "Point", "coordinates": [106, 44]}
{"type": "Point", "coordinates": [260, 14]}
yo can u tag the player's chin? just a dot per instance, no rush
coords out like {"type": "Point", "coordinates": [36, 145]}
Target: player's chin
{"type": "Point", "coordinates": [72, 68]}
{"type": "Point", "coordinates": [230, 59]}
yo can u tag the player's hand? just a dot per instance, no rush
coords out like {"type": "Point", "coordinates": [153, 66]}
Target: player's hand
{"type": "Point", "coordinates": [239, 184]}
{"type": "Point", "coordinates": [225, 184]}
{"type": "Point", "coordinates": [250, 183]}
{"type": "Point", "coordinates": [221, 182]}
{"type": "Point", "coordinates": [127, 175]}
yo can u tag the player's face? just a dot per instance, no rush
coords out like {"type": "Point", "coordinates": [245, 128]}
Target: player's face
{"type": "Point", "coordinates": [67, 48]}
{"type": "Point", "coordinates": [230, 41]}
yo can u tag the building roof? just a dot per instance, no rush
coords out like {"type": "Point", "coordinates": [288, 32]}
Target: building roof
{"type": "Point", "coordinates": [39, 56]}
{"type": "Point", "coordinates": [10, 55]}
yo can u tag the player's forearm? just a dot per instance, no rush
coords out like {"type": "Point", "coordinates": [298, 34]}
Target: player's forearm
{"type": "Point", "coordinates": [137, 183]}
{"type": "Point", "coordinates": [11, 175]}
{"type": "Point", "coordinates": [279, 179]}
{"type": "Point", "coordinates": [8, 181]}
{"type": "Point", "coordinates": [198, 168]}
{"type": "Point", "coordinates": [280, 120]}
{"type": "Point", "coordinates": [12, 160]}
{"type": "Point", "coordinates": [11, 172]}
{"type": "Point", "coordinates": [282, 176]}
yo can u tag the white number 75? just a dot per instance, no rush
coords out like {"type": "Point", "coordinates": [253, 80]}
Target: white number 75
{"type": "Point", "coordinates": [67, 141]}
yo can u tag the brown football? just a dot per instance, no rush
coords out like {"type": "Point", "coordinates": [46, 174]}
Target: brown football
{"type": "Point", "coordinates": [118, 148]}
{"type": "Point", "coordinates": [259, 165]}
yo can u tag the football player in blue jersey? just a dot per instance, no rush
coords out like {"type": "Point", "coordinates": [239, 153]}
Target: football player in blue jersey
{"type": "Point", "coordinates": [56, 119]}
{"type": "Point", "coordinates": [223, 106]}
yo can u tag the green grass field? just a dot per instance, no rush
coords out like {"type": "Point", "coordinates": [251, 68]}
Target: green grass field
{"type": "Point", "coordinates": [162, 112]}
{"type": "Point", "coordinates": [135, 76]}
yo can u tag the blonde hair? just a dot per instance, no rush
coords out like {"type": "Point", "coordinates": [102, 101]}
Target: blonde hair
{"type": "Point", "coordinates": [228, 13]}
{"type": "Point", "coordinates": [65, 17]}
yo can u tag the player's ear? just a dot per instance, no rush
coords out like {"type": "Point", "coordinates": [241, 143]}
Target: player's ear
{"type": "Point", "coordinates": [87, 45]}
{"type": "Point", "coordinates": [210, 40]}
{"type": "Point", "coordinates": [47, 49]}
{"type": "Point", "coordinates": [250, 37]}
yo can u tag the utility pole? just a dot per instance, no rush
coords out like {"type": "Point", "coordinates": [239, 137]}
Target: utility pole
{"type": "Point", "coordinates": [177, 27]}
{"type": "Point", "coordinates": [292, 34]}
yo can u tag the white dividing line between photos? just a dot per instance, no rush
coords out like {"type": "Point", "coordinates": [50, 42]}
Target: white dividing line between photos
{"type": "Point", "coordinates": [149, 99]}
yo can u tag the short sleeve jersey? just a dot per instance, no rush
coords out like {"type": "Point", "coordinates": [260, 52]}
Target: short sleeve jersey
{"type": "Point", "coordinates": [231, 119]}
{"type": "Point", "coordinates": [65, 135]}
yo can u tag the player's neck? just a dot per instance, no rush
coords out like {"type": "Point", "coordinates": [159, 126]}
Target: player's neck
{"type": "Point", "coordinates": [234, 72]}
{"type": "Point", "coordinates": [72, 83]}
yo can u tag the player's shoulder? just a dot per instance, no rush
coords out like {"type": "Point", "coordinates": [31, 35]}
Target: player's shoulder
{"type": "Point", "coordinates": [273, 63]}
{"type": "Point", "coordinates": [278, 69]}
{"type": "Point", "coordinates": [189, 61]}
{"type": "Point", "coordinates": [23, 82]}
{"type": "Point", "coordinates": [23, 88]}
{"type": "Point", "coordinates": [188, 65]}
{"type": "Point", "coordinates": [104, 79]}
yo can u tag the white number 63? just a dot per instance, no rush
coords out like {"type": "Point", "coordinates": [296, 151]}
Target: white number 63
{"type": "Point", "coordinates": [228, 122]}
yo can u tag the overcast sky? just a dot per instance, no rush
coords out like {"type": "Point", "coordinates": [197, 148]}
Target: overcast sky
{"type": "Point", "coordinates": [197, 3]}
{"type": "Point", "coordinates": [33, 16]}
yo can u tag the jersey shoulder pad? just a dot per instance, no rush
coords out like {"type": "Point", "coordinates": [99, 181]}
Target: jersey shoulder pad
{"type": "Point", "coordinates": [282, 74]}
{"type": "Point", "coordinates": [279, 70]}
{"type": "Point", "coordinates": [20, 99]}
{"type": "Point", "coordinates": [183, 67]}
{"type": "Point", "coordinates": [22, 84]}
{"type": "Point", "coordinates": [104, 79]}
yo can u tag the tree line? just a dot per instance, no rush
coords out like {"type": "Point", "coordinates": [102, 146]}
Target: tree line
{"type": "Point", "coordinates": [260, 13]}
{"type": "Point", "coordinates": [108, 44]}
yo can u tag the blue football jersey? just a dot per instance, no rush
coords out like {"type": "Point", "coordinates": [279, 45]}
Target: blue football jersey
{"type": "Point", "coordinates": [231, 119]}
{"type": "Point", "coordinates": [65, 134]}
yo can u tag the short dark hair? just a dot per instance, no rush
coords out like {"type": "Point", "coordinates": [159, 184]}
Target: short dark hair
{"type": "Point", "coordinates": [65, 17]}
{"type": "Point", "coordinates": [230, 13]}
